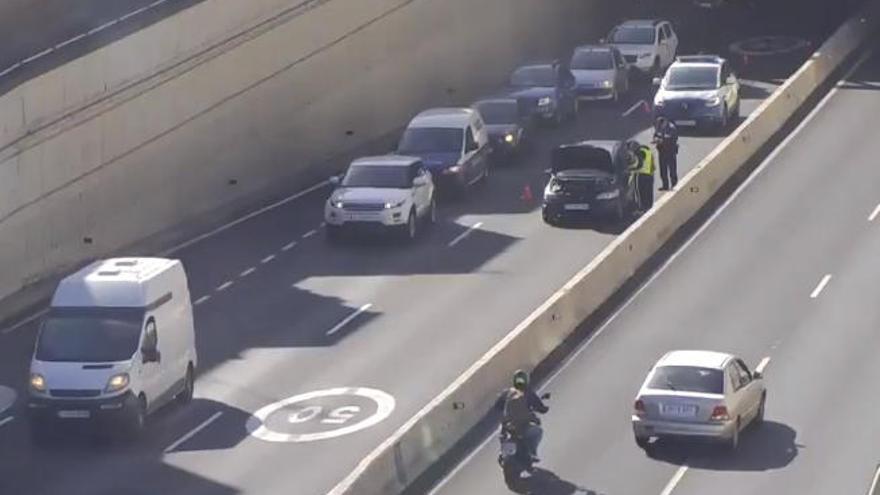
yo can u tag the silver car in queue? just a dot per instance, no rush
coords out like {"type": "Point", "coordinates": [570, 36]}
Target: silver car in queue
{"type": "Point", "coordinates": [701, 395]}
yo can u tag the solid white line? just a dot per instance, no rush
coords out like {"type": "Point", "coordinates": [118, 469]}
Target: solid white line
{"type": "Point", "coordinates": [6, 420]}
{"type": "Point", "coordinates": [202, 300]}
{"type": "Point", "coordinates": [874, 214]}
{"type": "Point", "coordinates": [38, 55]}
{"type": "Point", "coordinates": [820, 287]}
{"type": "Point", "coordinates": [10, 69]}
{"type": "Point", "coordinates": [676, 478]}
{"type": "Point", "coordinates": [757, 172]}
{"type": "Point", "coordinates": [70, 40]}
{"type": "Point", "coordinates": [267, 259]}
{"type": "Point", "coordinates": [134, 13]}
{"type": "Point", "coordinates": [464, 234]}
{"type": "Point", "coordinates": [289, 246]}
{"type": "Point", "coordinates": [193, 432]}
{"type": "Point", "coordinates": [634, 108]}
{"type": "Point", "coordinates": [762, 365]}
{"type": "Point", "coordinates": [348, 319]}
{"type": "Point", "coordinates": [224, 286]}
{"type": "Point", "coordinates": [247, 272]}
{"type": "Point", "coordinates": [309, 233]}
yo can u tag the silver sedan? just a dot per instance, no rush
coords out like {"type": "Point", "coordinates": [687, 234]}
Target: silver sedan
{"type": "Point", "coordinates": [699, 395]}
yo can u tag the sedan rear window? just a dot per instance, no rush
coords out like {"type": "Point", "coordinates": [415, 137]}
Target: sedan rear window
{"type": "Point", "coordinates": [688, 379]}
{"type": "Point", "coordinates": [592, 60]}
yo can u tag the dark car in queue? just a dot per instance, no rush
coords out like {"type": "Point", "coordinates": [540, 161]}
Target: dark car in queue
{"type": "Point", "coordinates": [546, 91]}
{"type": "Point", "coordinates": [590, 179]}
{"type": "Point", "coordinates": [507, 122]}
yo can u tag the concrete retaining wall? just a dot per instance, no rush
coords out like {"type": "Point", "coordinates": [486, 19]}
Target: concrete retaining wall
{"type": "Point", "coordinates": [267, 107]}
{"type": "Point", "coordinates": [437, 427]}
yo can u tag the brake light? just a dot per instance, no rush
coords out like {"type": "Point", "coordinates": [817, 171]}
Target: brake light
{"type": "Point", "coordinates": [720, 414]}
{"type": "Point", "coordinates": [639, 407]}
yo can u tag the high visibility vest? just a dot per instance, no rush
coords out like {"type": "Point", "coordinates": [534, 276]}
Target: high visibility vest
{"type": "Point", "coordinates": [647, 156]}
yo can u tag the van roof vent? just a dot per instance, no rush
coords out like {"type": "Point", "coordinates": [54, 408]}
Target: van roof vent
{"type": "Point", "coordinates": [109, 273]}
{"type": "Point", "coordinates": [126, 263]}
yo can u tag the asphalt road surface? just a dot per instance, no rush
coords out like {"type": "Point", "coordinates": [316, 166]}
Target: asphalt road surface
{"type": "Point", "coordinates": [280, 313]}
{"type": "Point", "coordinates": [750, 283]}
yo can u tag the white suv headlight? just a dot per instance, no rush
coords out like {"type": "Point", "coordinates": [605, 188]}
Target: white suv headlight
{"type": "Point", "coordinates": [337, 203]}
{"type": "Point", "coordinates": [391, 206]}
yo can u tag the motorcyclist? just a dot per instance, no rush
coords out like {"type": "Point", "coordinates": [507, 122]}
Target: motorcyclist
{"type": "Point", "coordinates": [519, 405]}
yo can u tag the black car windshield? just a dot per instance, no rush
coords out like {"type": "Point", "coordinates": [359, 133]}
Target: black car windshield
{"type": "Point", "coordinates": [393, 177]}
{"type": "Point", "coordinates": [90, 335]}
{"type": "Point", "coordinates": [431, 140]}
{"type": "Point", "coordinates": [499, 112]}
{"type": "Point", "coordinates": [543, 76]}
{"type": "Point", "coordinates": [688, 379]}
{"type": "Point", "coordinates": [683, 78]}
{"type": "Point", "coordinates": [583, 157]}
{"type": "Point", "coordinates": [592, 60]}
{"type": "Point", "coordinates": [633, 36]}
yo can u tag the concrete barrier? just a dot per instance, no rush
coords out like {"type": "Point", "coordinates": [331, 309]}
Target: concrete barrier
{"type": "Point", "coordinates": [447, 418]}
{"type": "Point", "coordinates": [269, 107]}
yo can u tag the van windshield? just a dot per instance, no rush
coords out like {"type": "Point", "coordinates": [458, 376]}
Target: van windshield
{"type": "Point", "coordinates": [90, 334]}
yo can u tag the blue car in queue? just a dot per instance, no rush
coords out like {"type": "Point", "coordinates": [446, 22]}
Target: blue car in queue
{"type": "Point", "coordinates": [453, 143]}
{"type": "Point", "coordinates": [507, 123]}
{"type": "Point", "coordinates": [546, 91]}
{"type": "Point", "coordinates": [590, 179]}
{"type": "Point", "coordinates": [698, 91]}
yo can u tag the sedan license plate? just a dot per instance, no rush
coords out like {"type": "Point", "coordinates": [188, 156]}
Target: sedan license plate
{"type": "Point", "coordinates": [679, 410]}
{"type": "Point", "coordinates": [78, 414]}
{"type": "Point", "coordinates": [686, 122]}
{"type": "Point", "coordinates": [577, 207]}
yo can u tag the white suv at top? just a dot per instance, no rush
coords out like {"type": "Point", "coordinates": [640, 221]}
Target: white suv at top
{"type": "Point", "coordinates": [647, 45]}
{"type": "Point", "coordinates": [381, 193]}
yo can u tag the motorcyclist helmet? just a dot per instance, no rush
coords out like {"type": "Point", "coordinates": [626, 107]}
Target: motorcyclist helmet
{"type": "Point", "coordinates": [521, 379]}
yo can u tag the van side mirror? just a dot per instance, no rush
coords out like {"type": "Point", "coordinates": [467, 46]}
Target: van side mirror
{"type": "Point", "coordinates": [472, 146]}
{"type": "Point", "coordinates": [656, 81]}
{"type": "Point", "coordinates": [151, 355]}
{"type": "Point", "coordinates": [334, 180]}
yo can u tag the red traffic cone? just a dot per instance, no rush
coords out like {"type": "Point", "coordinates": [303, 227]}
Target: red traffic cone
{"type": "Point", "coordinates": [646, 106]}
{"type": "Point", "coordinates": [527, 194]}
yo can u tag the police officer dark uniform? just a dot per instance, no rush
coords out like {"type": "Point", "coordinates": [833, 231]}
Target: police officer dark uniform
{"type": "Point", "coordinates": [643, 170]}
{"type": "Point", "coordinates": [666, 140]}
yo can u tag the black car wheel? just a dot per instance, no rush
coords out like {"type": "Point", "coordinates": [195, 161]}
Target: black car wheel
{"type": "Point", "coordinates": [432, 215]}
{"type": "Point", "coordinates": [412, 227]}
{"type": "Point", "coordinates": [137, 420]}
{"type": "Point", "coordinates": [186, 394]}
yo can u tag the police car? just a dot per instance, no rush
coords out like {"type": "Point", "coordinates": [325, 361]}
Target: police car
{"type": "Point", "coordinates": [698, 91]}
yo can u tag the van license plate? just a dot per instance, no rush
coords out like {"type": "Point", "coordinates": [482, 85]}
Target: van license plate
{"type": "Point", "coordinates": [577, 207]}
{"type": "Point", "coordinates": [74, 414]}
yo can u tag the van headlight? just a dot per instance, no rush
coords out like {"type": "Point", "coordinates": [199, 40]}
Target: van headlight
{"type": "Point", "coordinates": [38, 382]}
{"type": "Point", "coordinates": [714, 101]}
{"type": "Point", "coordinates": [606, 84]}
{"type": "Point", "coordinates": [509, 138]}
{"type": "Point", "coordinates": [608, 195]}
{"type": "Point", "coordinates": [545, 101]}
{"type": "Point", "coordinates": [117, 382]}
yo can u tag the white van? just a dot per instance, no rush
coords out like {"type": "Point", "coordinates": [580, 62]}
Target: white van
{"type": "Point", "coordinates": [117, 344]}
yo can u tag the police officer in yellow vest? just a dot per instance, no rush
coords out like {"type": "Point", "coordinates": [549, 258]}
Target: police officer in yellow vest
{"type": "Point", "coordinates": [642, 166]}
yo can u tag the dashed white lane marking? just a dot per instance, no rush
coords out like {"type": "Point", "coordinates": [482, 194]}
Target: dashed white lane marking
{"type": "Point", "coordinates": [819, 288]}
{"type": "Point", "coordinates": [634, 107]}
{"type": "Point", "coordinates": [466, 233]}
{"type": "Point", "coordinates": [70, 41]}
{"type": "Point", "coordinates": [267, 259]}
{"type": "Point", "coordinates": [193, 432]}
{"type": "Point", "coordinates": [6, 420]}
{"type": "Point", "coordinates": [310, 233]}
{"type": "Point", "coordinates": [874, 214]}
{"type": "Point", "coordinates": [38, 314]}
{"type": "Point", "coordinates": [288, 246]}
{"type": "Point", "coordinates": [38, 55]}
{"type": "Point", "coordinates": [348, 319]}
{"type": "Point", "coordinates": [224, 286]}
{"type": "Point", "coordinates": [247, 272]}
{"type": "Point", "coordinates": [202, 300]}
{"type": "Point", "coordinates": [676, 478]}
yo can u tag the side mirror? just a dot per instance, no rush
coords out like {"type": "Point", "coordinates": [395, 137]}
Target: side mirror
{"type": "Point", "coordinates": [656, 81]}
{"type": "Point", "coordinates": [757, 375]}
{"type": "Point", "coordinates": [548, 171]}
{"type": "Point", "coordinates": [151, 355]}
{"type": "Point", "coordinates": [335, 180]}
{"type": "Point", "coordinates": [545, 396]}
{"type": "Point", "coordinates": [471, 147]}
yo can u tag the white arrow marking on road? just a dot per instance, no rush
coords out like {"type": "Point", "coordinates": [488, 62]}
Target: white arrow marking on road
{"type": "Point", "coordinates": [348, 319]}
{"type": "Point", "coordinates": [676, 478]}
{"type": "Point", "coordinates": [819, 288]}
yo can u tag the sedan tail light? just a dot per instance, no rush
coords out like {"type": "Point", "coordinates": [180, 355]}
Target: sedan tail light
{"type": "Point", "coordinates": [639, 408]}
{"type": "Point", "coordinates": [720, 414]}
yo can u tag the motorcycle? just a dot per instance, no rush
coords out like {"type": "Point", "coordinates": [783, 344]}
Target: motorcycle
{"type": "Point", "coordinates": [514, 456]}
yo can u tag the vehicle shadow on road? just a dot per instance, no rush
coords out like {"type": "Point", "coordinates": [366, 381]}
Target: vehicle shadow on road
{"type": "Point", "coordinates": [545, 482]}
{"type": "Point", "coordinates": [769, 446]}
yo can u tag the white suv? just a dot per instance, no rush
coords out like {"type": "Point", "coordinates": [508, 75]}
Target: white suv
{"type": "Point", "coordinates": [649, 45]}
{"type": "Point", "coordinates": [381, 193]}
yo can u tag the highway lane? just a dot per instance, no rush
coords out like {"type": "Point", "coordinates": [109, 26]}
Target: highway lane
{"type": "Point", "coordinates": [263, 331]}
{"type": "Point", "coordinates": [31, 26]}
{"type": "Point", "coordinates": [749, 283]}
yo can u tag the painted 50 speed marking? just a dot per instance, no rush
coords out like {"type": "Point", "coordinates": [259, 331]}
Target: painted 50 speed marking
{"type": "Point", "coordinates": [256, 424]}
